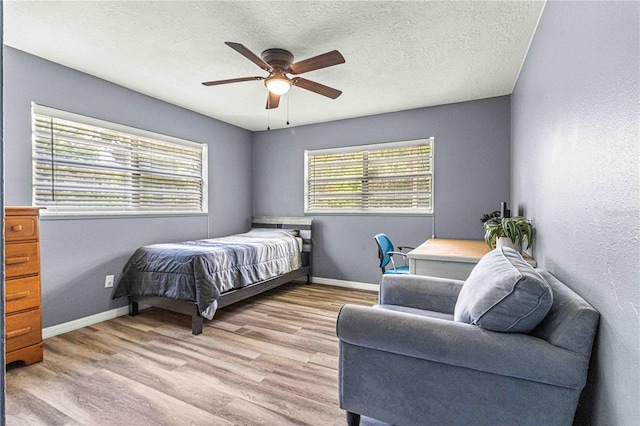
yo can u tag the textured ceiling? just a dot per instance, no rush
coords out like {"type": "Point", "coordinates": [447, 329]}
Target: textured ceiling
{"type": "Point", "coordinates": [399, 55]}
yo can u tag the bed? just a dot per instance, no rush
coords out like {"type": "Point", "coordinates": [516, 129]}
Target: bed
{"type": "Point", "coordinates": [198, 277]}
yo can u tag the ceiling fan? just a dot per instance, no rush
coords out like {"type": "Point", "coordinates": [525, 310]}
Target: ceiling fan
{"type": "Point", "coordinates": [278, 63]}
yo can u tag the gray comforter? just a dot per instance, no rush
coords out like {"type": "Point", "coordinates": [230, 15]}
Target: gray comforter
{"type": "Point", "coordinates": [200, 271]}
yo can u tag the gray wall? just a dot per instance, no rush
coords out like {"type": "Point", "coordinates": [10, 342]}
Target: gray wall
{"type": "Point", "coordinates": [471, 178]}
{"type": "Point", "coordinates": [77, 254]}
{"type": "Point", "coordinates": [575, 161]}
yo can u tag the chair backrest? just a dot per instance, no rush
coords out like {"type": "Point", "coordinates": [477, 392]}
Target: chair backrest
{"type": "Point", "coordinates": [384, 246]}
{"type": "Point", "coordinates": [571, 323]}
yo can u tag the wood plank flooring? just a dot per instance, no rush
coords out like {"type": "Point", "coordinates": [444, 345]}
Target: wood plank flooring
{"type": "Point", "coordinates": [270, 360]}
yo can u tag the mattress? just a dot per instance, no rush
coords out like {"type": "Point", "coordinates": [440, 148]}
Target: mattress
{"type": "Point", "coordinates": [201, 271]}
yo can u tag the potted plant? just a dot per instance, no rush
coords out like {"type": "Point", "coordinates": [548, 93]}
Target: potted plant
{"type": "Point", "coordinates": [509, 232]}
{"type": "Point", "coordinates": [487, 216]}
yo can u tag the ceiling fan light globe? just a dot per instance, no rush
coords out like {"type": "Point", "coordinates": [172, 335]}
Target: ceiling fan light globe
{"type": "Point", "coordinates": [278, 86]}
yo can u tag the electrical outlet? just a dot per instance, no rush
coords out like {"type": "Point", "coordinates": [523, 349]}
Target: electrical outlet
{"type": "Point", "coordinates": [108, 281]}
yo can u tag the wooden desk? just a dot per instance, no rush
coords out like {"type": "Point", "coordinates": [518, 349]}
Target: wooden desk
{"type": "Point", "coordinates": [439, 257]}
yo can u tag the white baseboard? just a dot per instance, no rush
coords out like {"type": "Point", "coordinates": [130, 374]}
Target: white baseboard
{"type": "Point", "coordinates": [347, 284]}
{"type": "Point", "coordinates": [54, 330]}
{"type": "Point", "coordinates": [66, 327]}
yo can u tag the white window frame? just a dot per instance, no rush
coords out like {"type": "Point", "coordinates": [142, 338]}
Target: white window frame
{"type": "Point", "coordinates": [369, 210]}
{"type": "Point", "coordinates": [52, 210]}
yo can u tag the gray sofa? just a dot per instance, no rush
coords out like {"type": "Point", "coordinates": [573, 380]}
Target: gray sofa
{"type": "Point", "coordinates": [407, 361]}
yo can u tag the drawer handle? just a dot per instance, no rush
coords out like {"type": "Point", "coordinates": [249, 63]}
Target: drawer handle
{"type": "Point", "coordinates": [16, 228]}
{"type": "Point", "coordinates": [16, 296]}
{"type": "Point", "coordinates": [19, 332]}
{"type": "Point", "coordinates": [16, 260]}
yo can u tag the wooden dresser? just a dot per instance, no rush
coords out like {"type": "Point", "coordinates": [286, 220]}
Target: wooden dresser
{"type": "Point", "coordinates": [23, 316]}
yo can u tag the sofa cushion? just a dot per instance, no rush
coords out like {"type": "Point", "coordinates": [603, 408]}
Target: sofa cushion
{"type": "Point", "coordinates": [504, 293]}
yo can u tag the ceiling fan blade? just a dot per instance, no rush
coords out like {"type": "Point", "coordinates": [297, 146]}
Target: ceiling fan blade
{"type": "Point", "coordinates": [273, 100]}
{"type": "Point", "coordinates": [325, 60]}
{"type": "Point", "coordinates": [249, 55]}
{"type": "Point", "coordinates": [321, 89]}
{"type": "Point", "coordinates": [231, 80]}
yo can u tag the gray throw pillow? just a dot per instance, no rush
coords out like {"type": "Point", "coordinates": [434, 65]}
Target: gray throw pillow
{"type": "Point", "coordinates": [504, 293]}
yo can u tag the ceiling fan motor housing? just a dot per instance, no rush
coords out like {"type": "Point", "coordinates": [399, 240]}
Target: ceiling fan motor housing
{"type": "Point", "coordinates": [278, 58]}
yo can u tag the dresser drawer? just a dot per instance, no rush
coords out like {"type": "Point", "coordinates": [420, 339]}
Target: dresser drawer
{"type": "Point", "coordinates": [23, 330]}
{"type": "Point", "coordinates": [21, 259]}
{"type": "Point", "coordinates": [21, 294]}
{"type": "Point", "coordinates": [20, 228]}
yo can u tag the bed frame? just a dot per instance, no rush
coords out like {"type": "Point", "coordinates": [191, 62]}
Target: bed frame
{"type": "Point", "coordinates": [303, 224]}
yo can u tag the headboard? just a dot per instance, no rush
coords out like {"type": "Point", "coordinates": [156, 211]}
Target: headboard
{"type": "Point", "coordinates": [303, 224]}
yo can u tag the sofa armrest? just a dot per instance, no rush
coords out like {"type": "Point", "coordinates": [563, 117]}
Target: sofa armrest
{"type": "Point", "coordinates": [463, 345]}
{"type": "Point", "coordinates": [416, 291]}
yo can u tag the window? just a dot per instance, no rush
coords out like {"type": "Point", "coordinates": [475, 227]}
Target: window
{"type": "Point", "coordinates": [86, 166]}
{"type": "Point", "coordinates": [392, 177]}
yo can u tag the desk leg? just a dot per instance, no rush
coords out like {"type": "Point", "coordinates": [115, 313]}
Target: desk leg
{"type": "Point", "coordinates": [412, 266]}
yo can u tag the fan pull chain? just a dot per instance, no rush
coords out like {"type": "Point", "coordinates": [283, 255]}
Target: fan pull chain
{"type": "Point", "coordinates": [269, 119]}
{"type": "Point", "coordinates": [288, 101]}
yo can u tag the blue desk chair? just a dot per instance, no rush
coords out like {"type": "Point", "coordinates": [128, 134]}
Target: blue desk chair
{"type": "Point", "coordinates": [386, 253]}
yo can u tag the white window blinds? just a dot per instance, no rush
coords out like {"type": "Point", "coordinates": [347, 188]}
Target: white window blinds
{"type": "Point", "coordinates": [392, 177]}
{"type": "Point", "coordinates": [87, 166]}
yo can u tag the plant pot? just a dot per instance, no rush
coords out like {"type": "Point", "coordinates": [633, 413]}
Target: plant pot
{"type": "Point", "coordinates": [506, 242]}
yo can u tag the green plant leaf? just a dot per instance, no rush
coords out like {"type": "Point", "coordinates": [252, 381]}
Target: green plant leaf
{"type": "Point", "coordinates": [518, 229]}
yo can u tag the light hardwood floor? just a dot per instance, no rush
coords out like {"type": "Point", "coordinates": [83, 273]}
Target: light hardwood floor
{"type": "Point", "coordinates": [270, 360]}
